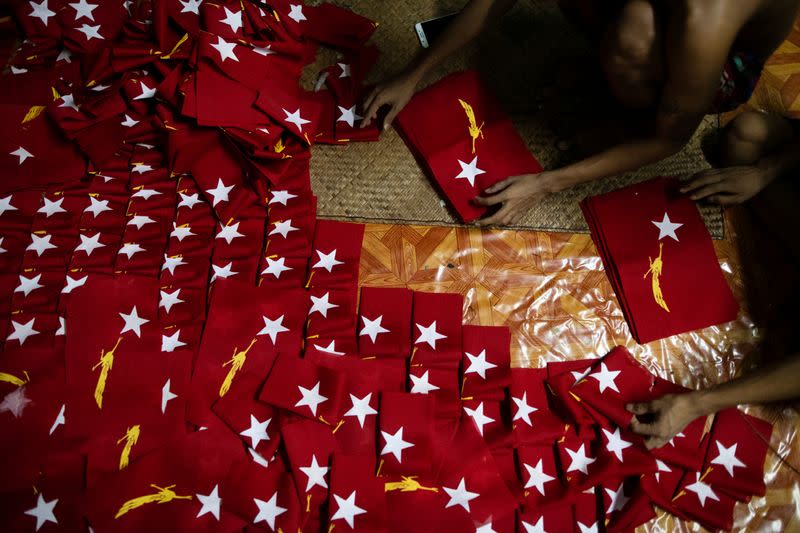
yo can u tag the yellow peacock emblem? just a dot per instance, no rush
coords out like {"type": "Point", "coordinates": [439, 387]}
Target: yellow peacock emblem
{"type": "Point", "coordinates": [655, 270]}
{"type": "Point", "coordinates": [105, 364]}
{"type": "Point", "coordinates": [164, 495]}
{"type": "Point", "coordinates": [236, 363]}
{"type": "Point", "coordinates": [130, 438]}
{"type": "Point", "coordinates": [407, 484]}
{"type": "Point", "coordinates": [475, 131]}
{"type": "Point", "coordinates": [14, 380]}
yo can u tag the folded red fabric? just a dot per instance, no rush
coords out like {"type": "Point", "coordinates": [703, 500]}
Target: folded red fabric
{"type": "Point", "coordinates": [463, 140]}
{"type": "Point", "coordinates": [659, 257]}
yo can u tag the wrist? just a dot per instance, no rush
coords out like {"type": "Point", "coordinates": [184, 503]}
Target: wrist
{"type": "Point", "coordinates": [550, 181]}
{"type": "Point", "coordinates": [703, 402]}
{"type": "Point", "coordinates": [414, 74]}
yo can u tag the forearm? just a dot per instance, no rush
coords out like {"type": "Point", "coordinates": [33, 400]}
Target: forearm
{"type": "Point", "coordinates": [617, 160]}
{"type": "Point", "coordinates": [770, 384]}
{"type": "Point", "coordinates": [463, 29]}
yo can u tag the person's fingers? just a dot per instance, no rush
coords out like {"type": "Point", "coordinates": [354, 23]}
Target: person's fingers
{"type": "Point", "coordinates": [644, 429]}
{"type": "Point", "coordinates": [496, 219]}
{"type": "Point", "coordinates": [701, 179]}
{"type": "Point", "coordinates": [708, 190]}
{"type": "Point", "coordinates": [639, 408]}
{"type": "Point", "coordinates": [371, 97]}
{"type": "Point", "coordinates": [490, 200]}
{"type": "Point", "coordinates": [372, 110]}
{"type": "Point", "coordinates": [726, 200]}
{"type": "Point", "coordinates": [500, 185]}
{"type": "Point", "coordinates": [387, 121]}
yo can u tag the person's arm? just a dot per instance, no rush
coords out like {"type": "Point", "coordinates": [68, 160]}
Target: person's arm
{"type": "Point", "coordinates": [735, 185]}
{"type": "Point", "coordinates": [694, 64]}
{"type": "Point", "coordinates": [464, 28]}
{"type": "Point", "coordinates": [671, 413]}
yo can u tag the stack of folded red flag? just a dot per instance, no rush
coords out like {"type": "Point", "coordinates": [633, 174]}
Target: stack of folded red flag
{"type": "Point", "coordinates": [463, 140]}
{"type": "Point", "coordinates": [660, 260]}
{"type": "Point", "coordinates": [185, 346]}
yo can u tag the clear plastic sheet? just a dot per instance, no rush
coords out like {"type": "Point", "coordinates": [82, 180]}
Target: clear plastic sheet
{"type": "Point", "coordinates": [551, 290]}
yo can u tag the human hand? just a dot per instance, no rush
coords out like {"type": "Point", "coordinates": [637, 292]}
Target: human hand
{"type": "Point", "coordinates": [726, 186]}
{"type": "Point", "coordinates": [667, 417]}
{"type": "Point", "coordinates": [517, 195]}
{"type": "Point", "coordinates": [395, 93]}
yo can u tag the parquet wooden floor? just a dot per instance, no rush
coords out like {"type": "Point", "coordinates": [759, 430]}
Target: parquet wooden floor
{"type": "Point", "coordinates": [778, 90]}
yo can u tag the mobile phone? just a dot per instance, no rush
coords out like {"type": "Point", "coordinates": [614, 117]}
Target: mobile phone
{"type": "Point", "coordinates": [429, 30]}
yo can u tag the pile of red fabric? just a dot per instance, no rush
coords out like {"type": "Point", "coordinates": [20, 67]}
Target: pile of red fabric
{"type": "Point", "coordinates": [185, 347]}
{"type": "Point", "coordinates": [463, 140]}
{"type": "Point", "coordinates": [660, 260]}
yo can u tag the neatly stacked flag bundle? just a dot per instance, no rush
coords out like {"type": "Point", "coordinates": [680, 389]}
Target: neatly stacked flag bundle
{"type": "Point", "coordinates": [660, 259]}
{"type": "Point", "coordinates": [185, 346]}
{"type": "Point", "coordinates": [463, 140]}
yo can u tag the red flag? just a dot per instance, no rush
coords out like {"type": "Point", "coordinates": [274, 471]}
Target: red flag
{"type": "Point", "coordinates": [309, 446]}
{"type": "Point", "coordinates": [30, 147]}
{"type": "Point", "coordinates": [385, 322]}
{"type": "Point", "coordinates": [164, 488]}
{"type": "Point", "coordinates": [489, 419]}
{"type": "Point", "coordinates": [625, 506]}
{"type": "Point", "coordinates": [662, 485]}
{"type": "Point", "coordinates": [703, 503]}
{"type": "Point", "coordinates": [738, 446]}
{"type": "Point", "coordinates": [561, 377]}
{"type": "Point", "coordinates": [307, 389]}
{"type": "Point", "coordinates": [617, 380]}
{"type": "Point", "coordinates": [224, 18]}
{"type": "Point", "coordinates": [437, 330]}
{"type": "Point", "coordinates": [542, 484]}
{"type": "Point", "coordinates": [463, 140]}
{"type": "Point", "coordinates": [660, 259]}
{"type": "Point", "coordinates": [256, 424]}
{"type": "Point", "coordinates": [332, 25]}
{"type": "Point", "coordinates": [298, 111]}
{"type": "Point", "coordinates": [337, 250]}
{"type": "Point", "coordinates": [357, 500]}
{"type": "Point", "coordinates": [245, 329]}
{"type": "Point", "coordinates": [221, 101]}
{"type": "Point", "coordinates": [113, 354]}
{"type": "Point", "coordinates": [366, 378]}
{"type": "Point", "coordinates": [263, 495]}
{"type": "Point", "coordinates": [332, 315]}
{"type": "Point", "coordinates": [406, 435]}
{"type": "Point", "coordinates": [470, 479]}
{"type": "Point", "coordinates": [578, 459]}
{"type": "Point", "coordinates": [52, 500]}
{"type": "Point", "coordinates": [441, 385]}
{"type": "Point", "coordinates": [586, 512]}
{"type": "Point", "coordinates": [621, 454]}
{"type": "Point", "coordinates": [532, 419]}
{"type": "Point", "coordinates": [553, 520]}
{"type": "Point", "coordinates": [486, 364]}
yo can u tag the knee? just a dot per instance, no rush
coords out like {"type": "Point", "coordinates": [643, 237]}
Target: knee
{"type": "Point", "coordinates": [632, 39]}
{"type": "Point", "coordinates": [744, 139]}
{"type": "Point", "coordinates": [631, 55]}
{"type": "Point", "coordinates": [749, 127]}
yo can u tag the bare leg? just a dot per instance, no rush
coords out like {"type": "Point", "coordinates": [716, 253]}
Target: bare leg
{"type": "Point", "coordinates": [633, 55]}
{"type": "Point", "coordinates": [752, 135]}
